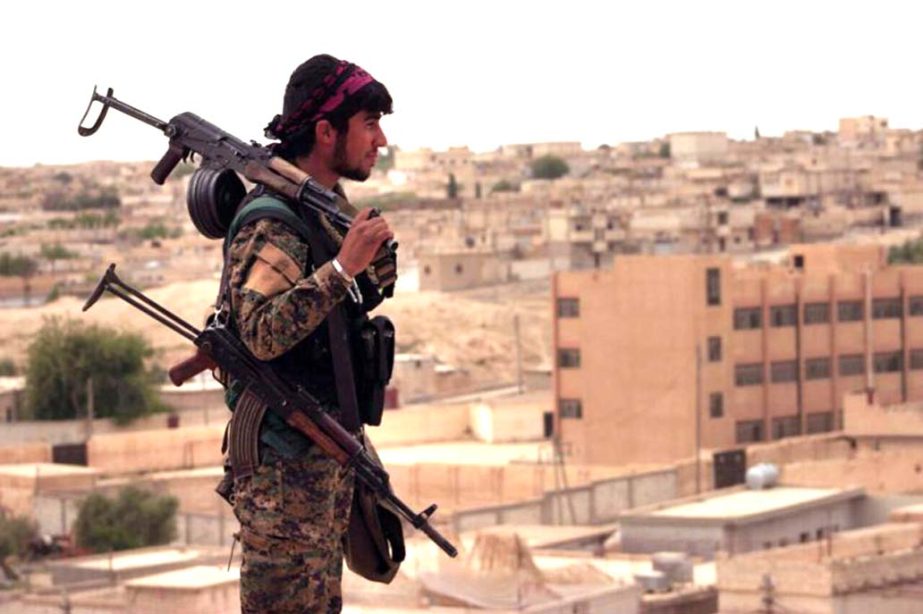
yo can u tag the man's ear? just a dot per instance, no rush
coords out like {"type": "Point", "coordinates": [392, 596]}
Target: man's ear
{"type": "Point", "coordinates": [324, 132]}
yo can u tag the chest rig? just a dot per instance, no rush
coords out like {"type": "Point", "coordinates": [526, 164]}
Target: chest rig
{"type": "Point", "coordinates": [345, 363]}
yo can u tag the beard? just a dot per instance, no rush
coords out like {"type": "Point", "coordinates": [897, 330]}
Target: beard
{"type": "Point", "coordinates": [341, 165]}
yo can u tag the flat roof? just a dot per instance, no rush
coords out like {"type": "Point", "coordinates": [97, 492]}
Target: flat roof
{"type": "Point", "coordinates": [465, 453]}
{"type": "Point", "coordinates": [745, 504]}
{"type": "Point", "coordinates": [188, 578]}
{"type": "Point", "coordinates": [135, 560]}
{"type": "Point", "coordinates": [45, 470]}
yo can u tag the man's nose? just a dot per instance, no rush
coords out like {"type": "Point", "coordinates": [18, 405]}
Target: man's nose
{"type": "Point", "coordinates": [380, 139]}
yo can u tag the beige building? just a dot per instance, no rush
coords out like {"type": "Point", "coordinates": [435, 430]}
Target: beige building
{"type": "Point", "coordinates": [447, 271]}
{"type": "Point", "coordinates": [698, 146]}
{"type": "Point", "coordinates": [878, 569]}
{"type": "Point", "coordinates": [777, 347]}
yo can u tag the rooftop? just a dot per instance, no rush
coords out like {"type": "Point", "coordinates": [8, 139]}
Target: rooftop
{"type": "Point", "coordinates": [465, 453]}
{"type": "Point", "coordinates": [35, 470]}
{"type": "Point", "coordinates": [188, 578]}
{"type": "Point", "coordinates": [743, 504]}
{"type": "Point", "coordinates": [135, 559]}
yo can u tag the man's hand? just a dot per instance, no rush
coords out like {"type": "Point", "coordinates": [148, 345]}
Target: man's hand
{"type": "Point", "coordinates": [361, 243]}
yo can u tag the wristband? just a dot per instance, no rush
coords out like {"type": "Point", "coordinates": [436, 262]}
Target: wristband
{"type": "Point", "coordinates": [339, 269]}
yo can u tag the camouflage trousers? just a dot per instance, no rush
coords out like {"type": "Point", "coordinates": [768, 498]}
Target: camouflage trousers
{"type": "Point", "coordinates": [293, 515]}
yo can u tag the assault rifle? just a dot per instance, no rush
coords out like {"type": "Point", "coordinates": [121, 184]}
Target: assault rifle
{"type": "Point", "coordinates": [291, 402]}
{"type": "Point", "coordinates": [223, 155]}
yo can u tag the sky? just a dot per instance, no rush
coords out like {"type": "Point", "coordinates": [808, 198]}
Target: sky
{"type": "Point", "coordinates": [476, 73]}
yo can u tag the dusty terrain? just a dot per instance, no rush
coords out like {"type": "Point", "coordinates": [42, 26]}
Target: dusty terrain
{"type": "Point", "coordinates": [472, 330]}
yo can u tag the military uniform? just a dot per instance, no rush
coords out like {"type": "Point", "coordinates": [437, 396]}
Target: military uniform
{"type": "Point", "coordinates": [294, 508]}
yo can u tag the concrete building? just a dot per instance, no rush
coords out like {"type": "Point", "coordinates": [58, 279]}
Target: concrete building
{"type": "Point", "coordinates": [864, 129]}
{"type": "Point", "coordinates": [698, 146]}
{"type": "Point", "coordinates": [879, 569]}
{"type": "Point", "coordinates": [460, 270]}
{"type": "Point", "coordinates": [742, 520]}
{"type": "Point", "coordinates": [778, 346]}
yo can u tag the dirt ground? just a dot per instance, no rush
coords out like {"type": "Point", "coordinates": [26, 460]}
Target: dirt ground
{"type": "Point", "coordinates": [473, 330]}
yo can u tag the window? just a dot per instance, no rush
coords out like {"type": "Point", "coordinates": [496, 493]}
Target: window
{"type": "Point", "coordinates": [783, 371]}
{"type": "Point", "coordinates": [713, 286]}
{"type": "Point", "coordinates": [458, 269]}
{"type": "Point", "coordinates": [570, 408]}
{"type": "Point", "coordinates": [568, 307]}
{"type": "Point", "coordinates": [716, 405]}
{"type": "Point", "coordinates": [722, 218]}
{"type": "Point", "coordinates": [749, 431]}
{"type": "Point", "coordinates": [748, 318]}
{"type": "Point", "coordinates": [748, 375]}
{"type": "Point", "coordinates": [714, 349]}
{"type": "Point", "coordinates": [887, 362]}
{"type": "Point", "coordinates": [916, 305]}
{"type": "Point", "coordinates": [569, 358]}
{"type": "Point", "coordinates": [852, 364]}
{"type": "Point", "coordinates": [916, 359]}
{"type": "Point", "coordinates": [817, 368]}
{"type": "Point", "coordinates": [816, 313]}
{"type": "Point", "coordinates": [820, 422]}
{"type": "Point", "coordinates": [783, 315]}
{"type": "Point", "coordinates": [849, 311]}
{"type": "Point", "coordinates": [798, 261]}
{"type": "Point", "coordinates": [883, 308]}
{"type": "Point", "coordinates": [787, 426]}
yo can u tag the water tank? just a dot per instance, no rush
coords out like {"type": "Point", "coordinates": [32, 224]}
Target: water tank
{"type": "Point", "coordinates": [677, 566]}
{"type": "Point", "coordinates": [764, 475]}
{"type": "Point", "coordinates": [653, 581]}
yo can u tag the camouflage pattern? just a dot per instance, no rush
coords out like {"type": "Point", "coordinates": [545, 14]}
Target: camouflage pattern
{"type": "Point", "coordinates": [271, 325]}
{"type": "Point", "coordinates": [293, 515]}
{"type": "Point", "coordinates": [293, 511]}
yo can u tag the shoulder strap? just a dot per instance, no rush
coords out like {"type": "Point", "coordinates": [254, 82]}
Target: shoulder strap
{"type": "Point", "coordinates": [263, 207]}
{"type": "Point", "coordinates": [271, 207]}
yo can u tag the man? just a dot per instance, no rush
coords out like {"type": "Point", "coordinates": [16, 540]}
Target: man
{"type": "Point", "coordinates": [293, 502]}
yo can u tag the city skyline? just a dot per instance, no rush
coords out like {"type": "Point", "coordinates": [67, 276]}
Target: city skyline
{"type": "Point", "coordinates": [473, 74]}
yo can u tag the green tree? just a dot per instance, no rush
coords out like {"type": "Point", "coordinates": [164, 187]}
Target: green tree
{"type": "Point", "coordinates": [451, 189]}
{"type": "Point", "coordinates": [65, 355]}
{"type": "Point", "coordinates": [7, 367]}
{"type": "Point", "coordinates": [19, 266]}
{"type": "Point", "coordinates": [134, 519]}
{"type": "Point", "coordinates": [53, 253]}
{"type": "Point", "coordinates": [664, 151]}
{"type": "Point", "coordinates": [505, 186]}
{"type": "Point", "coordinates": [549, 167]}
{"type": "Point", "coordinates": [15, 534]}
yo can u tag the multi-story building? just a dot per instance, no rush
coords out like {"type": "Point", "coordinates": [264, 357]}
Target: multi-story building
{"type": "Point", "coordinates": [662, 356]}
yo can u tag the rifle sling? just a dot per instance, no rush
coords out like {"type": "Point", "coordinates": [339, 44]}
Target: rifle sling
{"type": "Point", "coordinates": [340, 347]}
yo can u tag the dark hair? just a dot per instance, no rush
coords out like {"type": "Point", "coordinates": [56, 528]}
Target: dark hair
{"type": "Point", "coordinates": [374, 98]}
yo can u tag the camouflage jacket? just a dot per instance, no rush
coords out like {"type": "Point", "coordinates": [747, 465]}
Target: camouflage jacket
{"type": "Point", "coordinates": [277, 301]}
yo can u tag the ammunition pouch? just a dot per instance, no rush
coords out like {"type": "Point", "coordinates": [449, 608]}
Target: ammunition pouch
{"type": "Point", "coordinates": [374, 359]}
{"type": "Point", "coordinates": [373, 545]}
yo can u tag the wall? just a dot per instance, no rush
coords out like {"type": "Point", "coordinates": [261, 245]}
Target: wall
{"type": "Point", "coordinates": [598, 502]}
{"type": "Point", "coordinates": [156, 450]}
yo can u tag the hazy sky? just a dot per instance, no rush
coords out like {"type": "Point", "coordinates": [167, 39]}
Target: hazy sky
{"type": "Point", "coordinates": [473, 72]}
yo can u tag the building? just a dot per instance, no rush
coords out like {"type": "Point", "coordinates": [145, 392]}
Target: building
{"type": "Point", "coordinates": [698, 146]}
{"type": "Point", "coordinates": [718, 355]}
{"type": "Point", "coordinates": [460, 270]}
{"type": "Point", "coordinates": [740, 520]}
{"type": "Point", "coordinates": [878, 569]}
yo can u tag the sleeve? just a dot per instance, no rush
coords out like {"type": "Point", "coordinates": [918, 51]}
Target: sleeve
{"type": "Point", "coordinates": [273, 303]}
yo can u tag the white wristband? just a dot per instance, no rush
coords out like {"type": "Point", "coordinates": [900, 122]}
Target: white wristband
{"type": "Point", "coordinates": [339, 269]}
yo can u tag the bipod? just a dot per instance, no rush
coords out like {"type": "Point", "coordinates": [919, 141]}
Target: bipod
{"type": "Point", "coordinates": [110, 282]}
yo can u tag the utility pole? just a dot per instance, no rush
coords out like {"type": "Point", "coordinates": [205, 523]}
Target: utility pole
{"type": "Point", "coordinates": [91, 408]}
{"type": "Point", "coordinates": [518, 353]}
